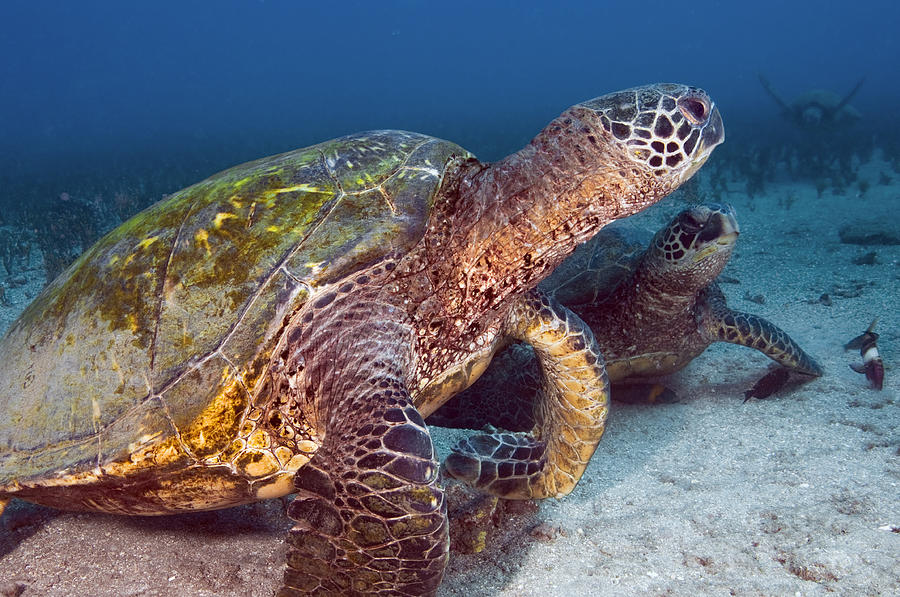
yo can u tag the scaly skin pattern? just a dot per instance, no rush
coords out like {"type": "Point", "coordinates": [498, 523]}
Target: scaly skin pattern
{"type": "Point", "coordinates": [285, 325]}
{"type": "Point", "coordinates": [651, 316]}
{"type": "Point", "coordinates": [719, 323]}
{"type": "Point", "coordinates": [670, 310]}
{"type": "Point", "coordinates": [570, 419]}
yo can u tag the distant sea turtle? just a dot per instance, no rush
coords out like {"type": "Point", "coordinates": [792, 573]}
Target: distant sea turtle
{"type": "Point", "coordinates": [652, 310]}
{"type": "Point", "coordinates": [285, 325]}
{"type": "Point", "coordinates": [817, 109]}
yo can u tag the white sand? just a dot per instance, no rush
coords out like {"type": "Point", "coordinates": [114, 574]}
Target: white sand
{"type": "Point", "coordinates": [798, 494]}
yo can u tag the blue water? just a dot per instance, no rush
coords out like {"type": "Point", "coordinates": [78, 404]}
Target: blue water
{"type": "Point", "coordinates": [165, 93]}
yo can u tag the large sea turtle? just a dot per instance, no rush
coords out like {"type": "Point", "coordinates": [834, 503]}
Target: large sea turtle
{"type": "Point", "coordinates": [653, 304]}
{"type": "Point", "coordinates": [817, 108]}
{"type": "Point", "coordinates": [285, 325]}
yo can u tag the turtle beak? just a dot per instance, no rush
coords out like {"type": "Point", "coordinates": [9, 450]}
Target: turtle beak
{"type": "Point", "coordinates": [730, 227]}
{"type": "Point", "coordinates": [729, 230]}
{"type": "Point", "coordinates": [721, 227]}
{"type": "Point", "coordinates": [721, 232]}
{"type": "Point", "coordinates": [714, 132]}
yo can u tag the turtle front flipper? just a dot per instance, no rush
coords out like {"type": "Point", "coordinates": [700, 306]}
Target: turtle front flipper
{"type": "Point", "coordinates": [718, 322]}
{"type": "Point", "coordinates": [370, 516]}
{"type": "Point", "coordinates": [570, 413]}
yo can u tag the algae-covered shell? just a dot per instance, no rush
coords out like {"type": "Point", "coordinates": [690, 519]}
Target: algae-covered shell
{"type": "Point", "coordinates": [168, 321]}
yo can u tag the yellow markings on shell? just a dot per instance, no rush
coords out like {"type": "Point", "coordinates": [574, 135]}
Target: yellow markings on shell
{"type": "Point", "coordinates": [314, 267]}
{"type": "Point", "coordinates": [221, 217]}
{"type": "Point", "coordinates": [147, 242]}
{"type": "Point", "coordinates": [132, 322]}
{"type": "Point", "coordinates": [281, 486]}
{"type": "Point", "coordinates": [213, 430]}
{"type": "Point", "coordinates": [145, 454]}
{"type": "Point", "coordinates": [143, 441]}
{"type": "Point", "coordinates": [302, 188]}
{"type": "Point", "coordinates": [307, 447]}
{"type": "Point", "coordinates": [95, 411]}
{"type": "Point", "coordinates": [283, 454]}
{"type": "Point", "coordinates": [273, 228]}
{"type": "Point", "coordinates": [257, 464]}
{"type": "Point", "coordinates": [169, 452]}
{"type": "Point", "coordinates": [201, 237]}
{"type": "Point", "coordinates": [259, 440]}
{"type": "Point", "coordinates": [114, 365]}
{"type": "Point", "coordinates": [235, 202]}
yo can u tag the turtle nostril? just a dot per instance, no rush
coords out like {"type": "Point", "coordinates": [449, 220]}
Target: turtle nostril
{"type": "Point", "coordinates": [694, 109]}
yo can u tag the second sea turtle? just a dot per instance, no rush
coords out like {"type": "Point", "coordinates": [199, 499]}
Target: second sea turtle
{"type": "Point", "coordinates": [816, 108]}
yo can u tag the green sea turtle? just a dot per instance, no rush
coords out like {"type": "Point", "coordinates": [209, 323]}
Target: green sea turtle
{"type": "Point", "coordinates": [285, 325]}
{"type": "Point", "coordinates": [817, 108]}
{"type": "Point", "coordinates": [653, 304]}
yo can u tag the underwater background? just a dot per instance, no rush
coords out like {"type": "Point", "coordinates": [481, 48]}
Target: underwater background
{"type": "Point", "coordinates": [107, 106]}
{"type": "Point", "coordinates": [101, 98]}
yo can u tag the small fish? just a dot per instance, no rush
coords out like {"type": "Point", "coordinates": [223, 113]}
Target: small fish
{"type": "Point", "coordinates": [872, 365]}
{"type": "Point", "coordinates": [770, 383]}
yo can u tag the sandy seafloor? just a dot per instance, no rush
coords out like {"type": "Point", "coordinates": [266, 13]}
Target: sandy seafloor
{"type": "Point", "coordinates": [798, 494]}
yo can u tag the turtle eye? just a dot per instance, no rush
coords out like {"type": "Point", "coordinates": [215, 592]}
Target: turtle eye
{"type": "Point", "coordinates": [694, 109]}
{"type": "Point", "coordinates": [690, 224]}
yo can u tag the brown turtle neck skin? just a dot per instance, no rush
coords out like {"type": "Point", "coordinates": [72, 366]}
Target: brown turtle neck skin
{"type": "Point", "coordinates": [512, 222]}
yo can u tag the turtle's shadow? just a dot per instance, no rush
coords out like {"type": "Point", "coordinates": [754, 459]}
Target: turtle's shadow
{"type": "Point", "coordinates": [20, 521]}
{"type": "Point", "coordinates": [258, 518]}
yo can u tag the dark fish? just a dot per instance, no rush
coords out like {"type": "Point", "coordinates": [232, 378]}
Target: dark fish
{"type": "Point", "coordinates": [872, 366]}
{"type": "Point", "coordinates": [770, 383]}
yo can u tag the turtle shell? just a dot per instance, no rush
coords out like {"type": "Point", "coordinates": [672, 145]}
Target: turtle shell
{"type": "Point", "coordinates": [596, 268]}
{"type": "Point", "coordinates": [169, 321]}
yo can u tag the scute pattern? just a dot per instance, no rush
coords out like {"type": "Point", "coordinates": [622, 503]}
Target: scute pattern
{"type": "Point", "coordinates": [203, 281]}
{"type": "Point", "coordinates": [370, 515]}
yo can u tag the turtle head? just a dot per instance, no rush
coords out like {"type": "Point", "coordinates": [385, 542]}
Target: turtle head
{"type": "Point", "coordinates": [694, 248]}
{"type": "Point", "coordinates": [669, 129]}
{"type": "Point", "coordinates": [656, 136]}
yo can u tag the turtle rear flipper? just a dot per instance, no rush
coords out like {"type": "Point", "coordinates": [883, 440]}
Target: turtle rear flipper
{"type": "Point", "coordinates": [721, 323]}
{"type": "Point", "coordinates": [370, 515]}
{"type": "Point", "coordinates": [570, 413]}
